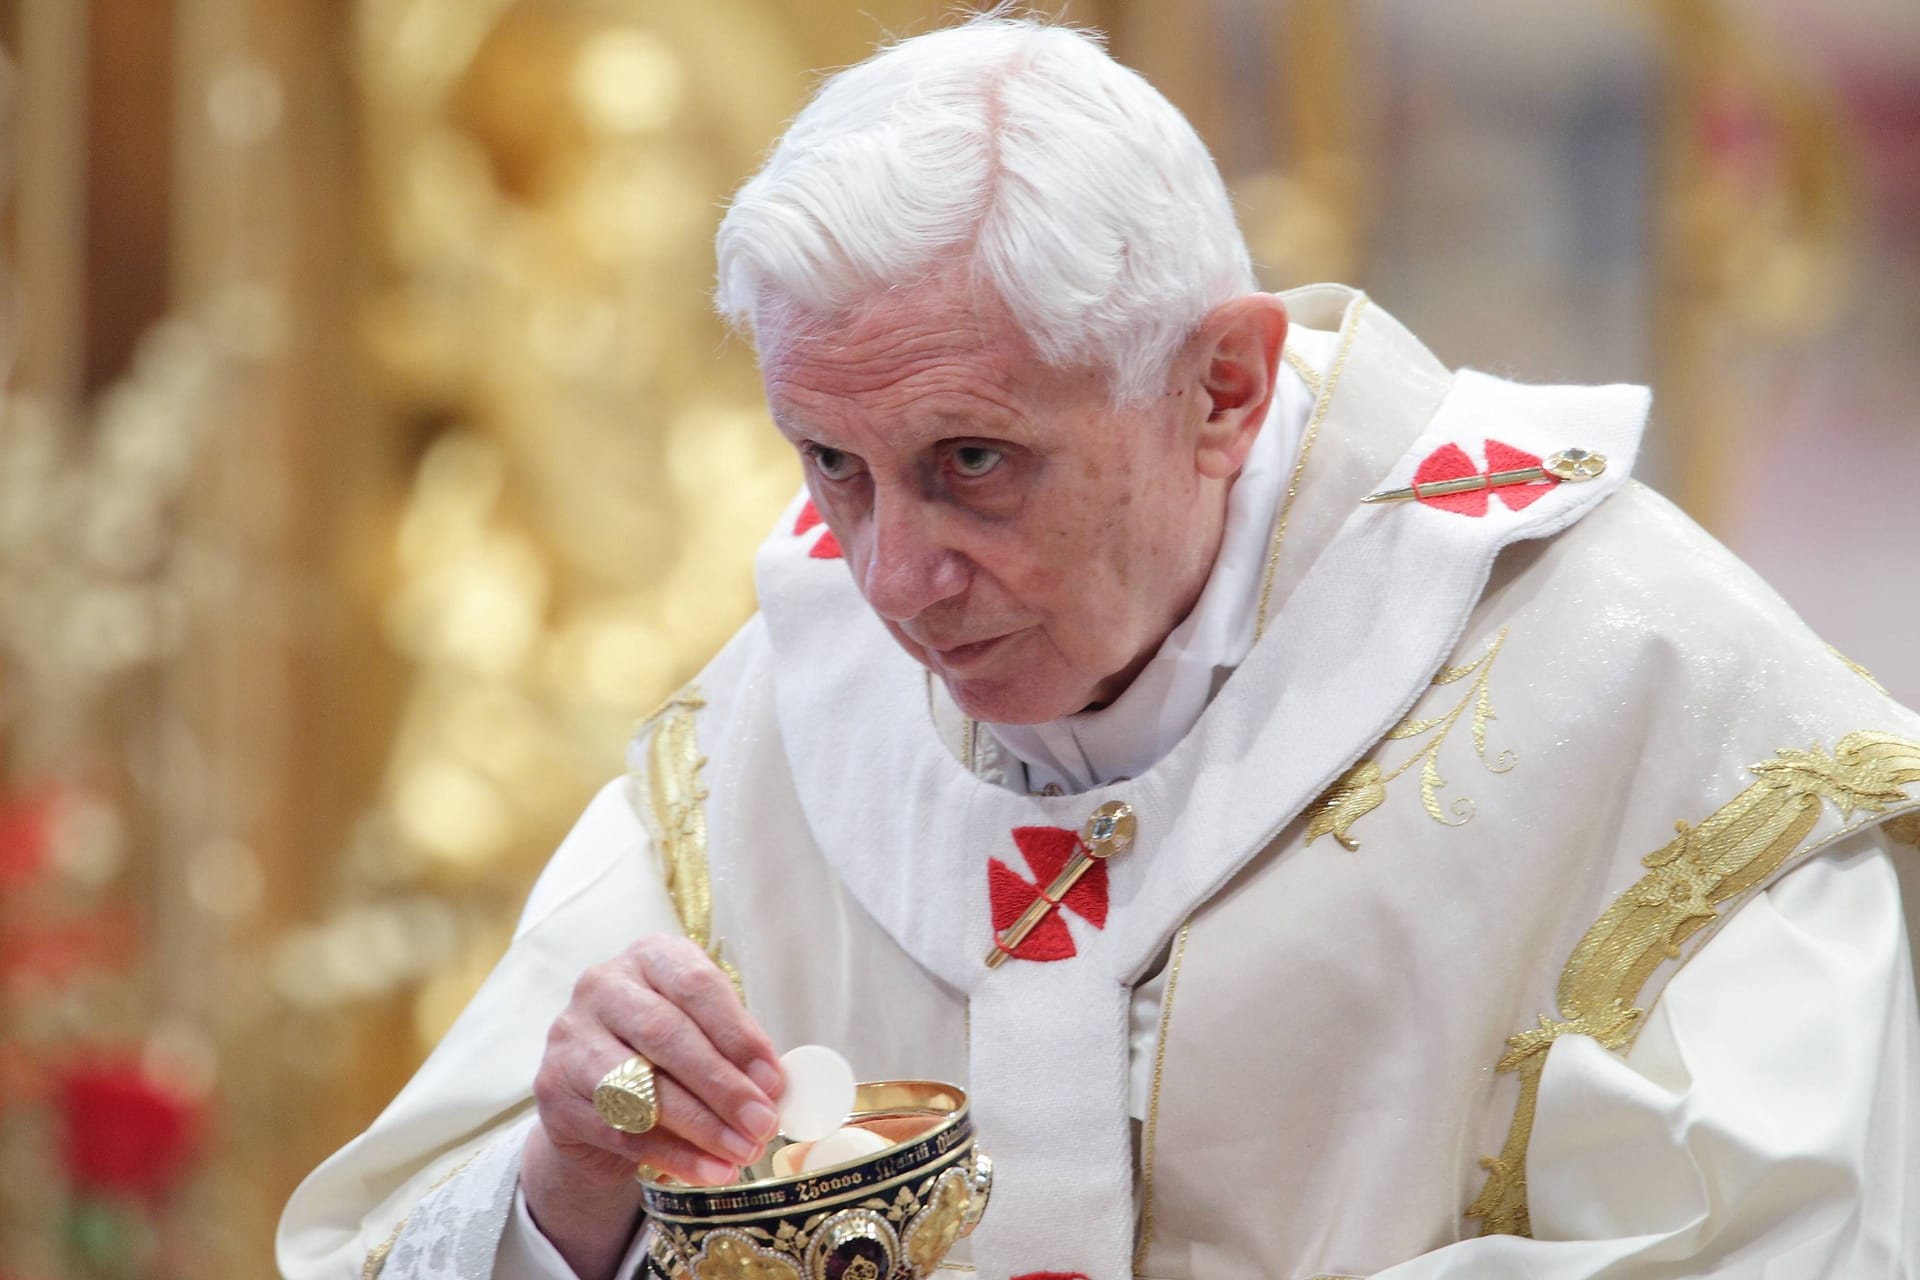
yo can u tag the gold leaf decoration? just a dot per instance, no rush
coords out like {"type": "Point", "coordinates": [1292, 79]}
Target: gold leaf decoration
{"type": "Point", "coordinates": [1906, 828]}
{"type": "Point", "coordinates": [1363, 788]}
{"type": "Point", "coordinates": [1354, 795]}
{"type": "Point", "coordinates": [1739, 847]}
{"type": "Point", "coordinates": [1440, 726]}
{"type": "Point", "coordinates": [729, 1255]}
{"type": "Point", "coordinates": [938, 1225]}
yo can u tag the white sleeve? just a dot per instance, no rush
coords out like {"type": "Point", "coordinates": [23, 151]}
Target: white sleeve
{"type": "Point", "coordinates": [455, 1229]}
{"type": "Point", "coordinates": [526, 1253]}
{"type": "Point", "coordinates": [472, 1097]}
{"type": "Point", "coordinates": [1764, 1126]}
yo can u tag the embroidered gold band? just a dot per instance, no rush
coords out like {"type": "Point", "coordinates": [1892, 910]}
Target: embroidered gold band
{"type": "Point", "coordinates": [1323, 400]}
{"type": "Point", "coordinates": [1152, 1131]}
{"type": "Point", "coordinates": [1738, 849]}
{"type": "Point", "coordinates": [675, 799]}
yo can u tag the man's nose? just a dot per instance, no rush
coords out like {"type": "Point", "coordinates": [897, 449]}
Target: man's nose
{"type": "Point", "coordinates": [910, 565]}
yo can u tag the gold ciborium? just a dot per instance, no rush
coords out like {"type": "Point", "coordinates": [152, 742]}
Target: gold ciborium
{"type": "Point", "coordinates": [892, 1215]}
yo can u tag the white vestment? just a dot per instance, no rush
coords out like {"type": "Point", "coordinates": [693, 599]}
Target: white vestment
{"type": "Point", "coordinates": [1371, 981]}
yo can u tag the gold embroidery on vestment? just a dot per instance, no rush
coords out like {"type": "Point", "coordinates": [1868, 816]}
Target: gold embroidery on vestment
{"type": "Point", "coordinates": [675, 798]}
{"type": "Point", "coordinates": [1353, 795]}
{"type": "Point", "coordinates": [1857, 669]}
{"type": "Point", "coordinates": [1363, 788]}
{"type": "Point", "coordinates": [1320, 406]}
{"type": "Point", "coordinates": [1153, 1099]}
{"type": "Point", "coordinates": [1905, 829]}
{"type": "Point", "coordinates": [1308, 374]}
{"type": "Point", "coordinates": [1738, 848]}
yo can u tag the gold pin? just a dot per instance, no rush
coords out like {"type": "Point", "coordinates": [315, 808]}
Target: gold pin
{"type": "Point", "coordinates": [1109, 831]}
{"type": "Point", "coordinates": [1572, 465]}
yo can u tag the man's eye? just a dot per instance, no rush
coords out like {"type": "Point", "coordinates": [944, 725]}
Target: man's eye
{"type": "Point", "coordinates": [975, 460]}
{"type": "Point", "coordinates": [834, 464]}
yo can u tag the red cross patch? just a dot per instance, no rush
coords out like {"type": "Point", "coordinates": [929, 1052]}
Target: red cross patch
{"type": "Point", "coordinates": [1047, 851]}
{"type": "Point", "coordinates": [826, 546]}
{"type": "Point", "coordinates": [1450, 462]}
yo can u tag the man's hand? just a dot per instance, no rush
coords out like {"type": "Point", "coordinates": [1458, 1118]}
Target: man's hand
{"type": "Point", "coordinates": [715, 1078]}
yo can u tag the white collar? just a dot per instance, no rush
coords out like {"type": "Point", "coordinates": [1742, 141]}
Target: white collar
{"type": "Point", "coordinates": [1128, 736]}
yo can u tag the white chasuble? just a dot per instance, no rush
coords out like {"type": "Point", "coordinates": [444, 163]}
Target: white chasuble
{"type": "Point", "coordinates": [1498, 767]}
{"type": "Point", "coordinates": [1329, 1082]}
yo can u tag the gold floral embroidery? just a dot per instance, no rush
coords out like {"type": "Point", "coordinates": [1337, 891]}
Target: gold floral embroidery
{"type": "Point", "coordinates": [1737, 849]}
{"type": "Point", "coordinates": [1363, 788]}
{"type": "Point", "coordinates": [1354, 795]}
{"type": "Point", "coordinates": [675, 798]}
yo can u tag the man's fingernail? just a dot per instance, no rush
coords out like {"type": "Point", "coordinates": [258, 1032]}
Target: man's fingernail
{"type": "Point", "coordinates": [758, 1119]}
{"type": "Point", "coordinates": [713, 1173]}
{"type": "Point", "coordinates": [766, 1075]}
{"type": "Point", "coordinates": [739, 1145]}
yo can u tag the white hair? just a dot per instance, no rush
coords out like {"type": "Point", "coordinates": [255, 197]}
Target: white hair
{"type": "Point", "coordinates": [1063, 181]}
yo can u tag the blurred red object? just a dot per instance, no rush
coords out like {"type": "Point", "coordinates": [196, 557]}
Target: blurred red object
{"type": "Point", "coordinates": [104, 941]}
{"type": "Point", "coordinates": [26, 822]}
{"type": "Point", "coordinates": [125, 1133]}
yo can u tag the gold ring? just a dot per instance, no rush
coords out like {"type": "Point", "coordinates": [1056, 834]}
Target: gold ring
{"type": "Point", "coordinates": [625, 1096]}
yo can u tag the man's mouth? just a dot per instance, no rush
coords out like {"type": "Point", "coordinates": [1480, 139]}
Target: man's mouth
{"type": "Point", "coordinates": [961, 655]}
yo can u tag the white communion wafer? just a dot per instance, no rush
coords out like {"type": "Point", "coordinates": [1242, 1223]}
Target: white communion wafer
{"type": "Point", "coordinates": [819, 1092]}
{"type": "Point", "coordinates": [841, 1146]}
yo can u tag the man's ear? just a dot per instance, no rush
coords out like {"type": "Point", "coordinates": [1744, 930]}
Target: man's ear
{"type": "Point", "coordinates": [1238, 349]}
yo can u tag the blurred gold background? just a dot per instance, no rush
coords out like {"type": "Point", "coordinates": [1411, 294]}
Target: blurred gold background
{"type": "Point", "coordinates": [370, 459]}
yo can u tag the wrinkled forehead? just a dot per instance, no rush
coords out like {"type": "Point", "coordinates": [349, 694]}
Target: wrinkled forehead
{"type": "Point", "coordinates": [948, 306]}
{"type": "Point", "coordinates": [939, 346]}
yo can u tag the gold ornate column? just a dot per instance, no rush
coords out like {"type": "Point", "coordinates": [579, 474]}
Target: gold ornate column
{"type": "Point", "coordinates": [1276, 92]}
{"type": "Point", "coordinates": [1754, 237]}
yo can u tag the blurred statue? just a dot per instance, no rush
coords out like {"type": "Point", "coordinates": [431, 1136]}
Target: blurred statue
{"type": "Point", "coordinates": [545, 170]}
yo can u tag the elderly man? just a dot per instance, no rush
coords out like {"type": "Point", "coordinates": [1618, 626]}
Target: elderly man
{"type": "Point", "coordinates": [1090, 522]}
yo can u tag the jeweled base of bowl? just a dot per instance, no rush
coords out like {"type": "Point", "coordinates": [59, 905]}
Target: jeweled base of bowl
{"type": "Point", "coordinates": [889, 1216]}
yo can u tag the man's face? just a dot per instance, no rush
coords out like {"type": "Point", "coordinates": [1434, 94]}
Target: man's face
{"type": "Point", "coordinates": [1019, 536]}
